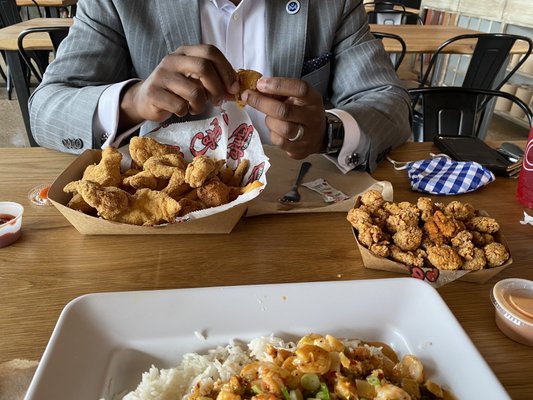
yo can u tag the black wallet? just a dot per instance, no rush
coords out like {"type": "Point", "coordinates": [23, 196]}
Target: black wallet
{"type": "Point", "coordinates": [468, 148]}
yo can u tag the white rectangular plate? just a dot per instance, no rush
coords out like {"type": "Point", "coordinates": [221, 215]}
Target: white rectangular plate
{"type": "Point", "coordinates": [103, 342]}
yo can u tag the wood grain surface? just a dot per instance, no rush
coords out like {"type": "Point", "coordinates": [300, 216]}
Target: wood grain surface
{"type": "Point", "coordinates": [427, 38]}
{"type": "Point", "coordinates": [46, 3]}
{"type": "Point", "coordinates": [51, 264]}
{"type": "Point", "coordinates": [34, 41]}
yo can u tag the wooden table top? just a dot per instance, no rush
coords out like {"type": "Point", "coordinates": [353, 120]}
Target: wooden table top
{"type": "Point", "coordinates": [52, 263]}
{"type": "Point", "coordinates": [427, 38]}
{"type": "Point", "coordinates": [46, 3]}
{"type": "Point", "coordinates": [36, 41]}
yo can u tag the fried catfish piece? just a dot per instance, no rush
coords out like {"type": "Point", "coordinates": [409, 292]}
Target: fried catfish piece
{"type": "Point", "coordinates": [201, 169]}
{"type": "Point", "coordinates": [142, 148]}
{"type": "Point", "coordinates": [165, 165]}
{"type": "Point", "coordinates": [107, 171]}
{"type": "Point", "coordinates": [213, 193]}
{"type": "Point", "coordinates": [247, 81]}
{"type": "Point", "coordinates": [109, 201]}
{"type": "Point", "coordinates": [77, 203]}
{"type": "Point", "coordinates": [188, 206]}
{"type": "Point", "coordinates": [176, 185]}
{"type": "Point", "coordinates": [141, 180]}
{"type": "Point", "coordinates": [149, 207]}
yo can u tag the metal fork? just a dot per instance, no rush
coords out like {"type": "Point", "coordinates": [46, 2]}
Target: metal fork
{"type": "Point", "coordinates": [292, 196]}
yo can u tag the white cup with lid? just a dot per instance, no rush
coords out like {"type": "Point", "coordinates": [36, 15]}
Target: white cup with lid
{"type": "Point", "coordinates": [513, 301]}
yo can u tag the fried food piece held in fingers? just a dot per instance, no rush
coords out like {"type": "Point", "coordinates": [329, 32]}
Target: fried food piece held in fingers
{"type": "Point", "coordinates": [107, 171]}
{"type": "Point", "coordinates": [247, 81]}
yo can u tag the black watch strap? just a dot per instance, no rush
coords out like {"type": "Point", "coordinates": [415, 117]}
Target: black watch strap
{"type": "Point", "coordinates": [334, 134]}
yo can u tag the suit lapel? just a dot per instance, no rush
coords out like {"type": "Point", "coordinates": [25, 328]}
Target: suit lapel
{"type": "Point", "coordinates": [286, 37]}
{"type": "Point", "coordinates": [180, 22]}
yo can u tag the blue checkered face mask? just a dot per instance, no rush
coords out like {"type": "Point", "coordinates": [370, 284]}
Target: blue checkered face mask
{"type": "Point", "coordinates": [442, 175]}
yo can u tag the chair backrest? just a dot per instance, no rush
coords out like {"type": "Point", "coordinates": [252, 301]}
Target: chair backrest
{"type": "Point", "coordinates": [57, 34]}
{"type": "Point", "coordinates": [491, 54]}
{"type": "Point", "coordinates": [391, 13]}
{"type": "Point", "coordinates": [9, 12]}
{"type": "Point", "coordinates": [455, 110]}
{"type": "Point", "coordinates": [396, 58]}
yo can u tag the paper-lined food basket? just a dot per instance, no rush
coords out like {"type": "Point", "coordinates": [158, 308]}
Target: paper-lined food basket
{"type": "Point", "coordinates": [229, 135]}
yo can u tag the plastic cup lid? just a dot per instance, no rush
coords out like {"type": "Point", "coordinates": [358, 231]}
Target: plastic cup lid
{"type": "Point", "coordinates": [513, 297]}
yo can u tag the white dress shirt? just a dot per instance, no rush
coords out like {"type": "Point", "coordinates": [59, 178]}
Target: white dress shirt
{"type": "Point", "coordinates": [240, 33]}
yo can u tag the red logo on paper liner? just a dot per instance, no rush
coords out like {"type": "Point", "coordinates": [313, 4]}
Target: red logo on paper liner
{"type": "Point", "coordinates": [202, 142]}
{"type": "Point", "coordinates": [225, 117]}
{"type": "Point", "coordinates": [257, 172]}
{"type": "Point", "coordinates": [239, 141]}
{"type": "Point", "coordinates": [430, 274]}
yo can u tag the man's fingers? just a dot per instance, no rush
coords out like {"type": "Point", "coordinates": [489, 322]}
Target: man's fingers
{"type": "Point", "coordinates": [288, 87]}
{"type": "Point", "coordinates": [270, 106]}
{"type": "Point", "coordinates": [224, 70]}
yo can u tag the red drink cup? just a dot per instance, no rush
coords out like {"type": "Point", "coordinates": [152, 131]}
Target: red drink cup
{"type": "Point", "coordinates": [524, 192]}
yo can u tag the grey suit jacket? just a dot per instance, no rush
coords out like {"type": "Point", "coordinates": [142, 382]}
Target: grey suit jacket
{"type": "Point", "coordinates": [115, 40]}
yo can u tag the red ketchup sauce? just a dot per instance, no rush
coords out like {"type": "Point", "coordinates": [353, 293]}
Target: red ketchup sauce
{"type": "Point", "coordinates": [6, 218]}
{"type": "Point", "coordinates": [8, 238]}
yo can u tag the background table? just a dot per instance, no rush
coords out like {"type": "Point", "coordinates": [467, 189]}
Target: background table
{"type": "Point", "coordinates": [35, 41]}
{"type": "Point", "coordinates": [427, 38]}
{"type": "Point", "coordinates": [51, 6]}
{"type": "Point", "coordinates": [52, 263]}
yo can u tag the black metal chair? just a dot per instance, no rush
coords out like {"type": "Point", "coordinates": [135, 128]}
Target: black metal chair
{"type": "Point", "coordinates": [57, 34]}
{"type": "Point", "coordinates": [455, 110]}
{"type": "Point", "coordinates": [486, 67]}
{"type": "Point", "coordinates": [10, 15]}
{"type": "Point", "coordinates": [391, 13]}
{"type": "Point", "coordinates": [396, 58]}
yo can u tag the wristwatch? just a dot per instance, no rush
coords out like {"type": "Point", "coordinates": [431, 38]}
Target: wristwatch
{"type": "Point", "coordinates": [334, 137]}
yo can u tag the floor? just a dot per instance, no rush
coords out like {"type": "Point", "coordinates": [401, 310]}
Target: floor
{"type": "Point", "coordinates": [13, 134]}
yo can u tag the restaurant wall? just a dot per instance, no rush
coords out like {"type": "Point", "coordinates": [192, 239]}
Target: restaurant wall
{"type": "Point", "coordinates": [518, 12]}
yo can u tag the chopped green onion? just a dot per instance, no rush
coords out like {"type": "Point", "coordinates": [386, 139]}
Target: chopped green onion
{"type": "Point", "coordinates": [323, 393]}
{"type": "Point", "coordinates": [310, 382]}
{"type": "Point", "coordinates": [373, 380]}
{"type": "Point", "coordinates": [285, 393]}
{"type": "Point", "coordinates": [256, 389]}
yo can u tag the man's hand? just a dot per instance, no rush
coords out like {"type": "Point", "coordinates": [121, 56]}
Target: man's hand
{"type": "Point", "coordinates": [290, 105]}
{"type": "Point", "coordinates": [184, 82]}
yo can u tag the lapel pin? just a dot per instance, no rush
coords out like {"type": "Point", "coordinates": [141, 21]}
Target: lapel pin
{"type": "Point", "coordinates": [293, 6]}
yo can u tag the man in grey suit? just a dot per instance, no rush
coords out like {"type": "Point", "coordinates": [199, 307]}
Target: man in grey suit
{"type": "Point", "coordinates": [128, 65]}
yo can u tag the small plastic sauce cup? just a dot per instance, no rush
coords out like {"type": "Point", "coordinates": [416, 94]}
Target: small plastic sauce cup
{"type": "Point", "coordinates": [513, 301]}
{"type": "Point", "coordinates": [10, 222]}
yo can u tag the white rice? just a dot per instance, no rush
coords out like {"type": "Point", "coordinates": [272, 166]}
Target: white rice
{"type": "Point", "coordinates": [219, 363]}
